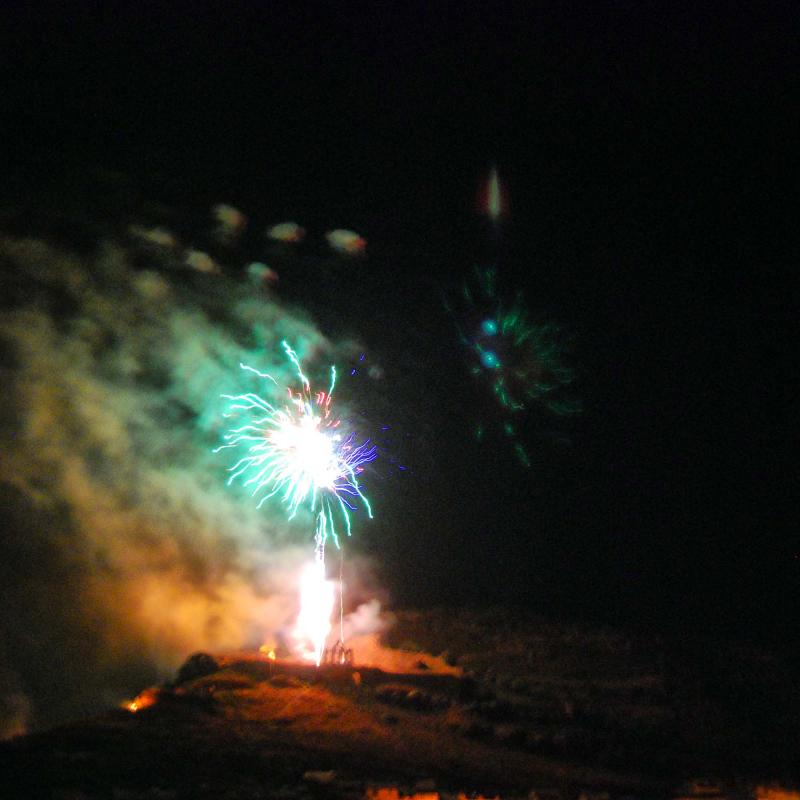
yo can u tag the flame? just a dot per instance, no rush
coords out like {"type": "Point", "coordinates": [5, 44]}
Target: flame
{"type": "Point", "coordinates": [146, 698]}
{"type": "Point", "coordinates": [316, 607]}
{"type": "Point", "coordinates": [268, 650]}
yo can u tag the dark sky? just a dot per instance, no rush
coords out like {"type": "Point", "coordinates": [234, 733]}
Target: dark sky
{"type": "Point", "coordinates": [648, 151]}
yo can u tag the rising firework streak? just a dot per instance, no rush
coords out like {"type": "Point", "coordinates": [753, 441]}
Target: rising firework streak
{"type": "Point", "coordinates": [493, 199]}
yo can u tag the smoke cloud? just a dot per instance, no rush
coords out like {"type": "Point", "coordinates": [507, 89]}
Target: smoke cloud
{"type": "Point", "coordinates": [123, 550]}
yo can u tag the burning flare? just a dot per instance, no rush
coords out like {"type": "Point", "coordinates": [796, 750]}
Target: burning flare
{"type": "Point", "coordinates": [316, 608]}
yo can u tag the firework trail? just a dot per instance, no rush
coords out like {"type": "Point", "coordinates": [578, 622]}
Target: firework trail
{"type": "Point", "coordinates": [493, 199]}
{"type": "Point", "coordinates": [297, 452]}
{"type": "Point", "coordinates": [523, 360]}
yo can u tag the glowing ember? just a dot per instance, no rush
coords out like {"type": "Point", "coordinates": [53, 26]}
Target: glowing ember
{"type": "Point", "coordinates": [316, 607]}
{"type": "Point", "coordinates": [143, 700]}
{"type": "Point", "coordinates": [268, 651]}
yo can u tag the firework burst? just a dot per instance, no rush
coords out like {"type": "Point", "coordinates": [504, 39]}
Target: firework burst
{"type": "Point", "coordinates": [298, 452]}
{"type": "Point", "coordinates": [520, 359]}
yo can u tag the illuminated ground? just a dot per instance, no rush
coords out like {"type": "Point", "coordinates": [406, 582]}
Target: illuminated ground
{"type": "Point", "coordinates": [562, 710]}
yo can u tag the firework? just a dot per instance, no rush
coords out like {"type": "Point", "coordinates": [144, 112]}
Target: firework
{"type": "Point", "coordinates": [492, 198]}
{"type": "Point", "coordinates": [317, 596]}
{"type": "Point", "coordinates": [297, 451]}
{"type": "Point", "coordinates": [521, 360]}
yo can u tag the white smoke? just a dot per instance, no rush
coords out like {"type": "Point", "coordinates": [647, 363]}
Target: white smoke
{"type": "Point", "coordinates": [125, 550]}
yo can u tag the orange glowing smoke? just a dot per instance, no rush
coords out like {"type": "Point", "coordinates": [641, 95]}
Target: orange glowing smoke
{"type": "Point", "coordinates": [393, 793]}
{"type": "Point", "coordinates": [145, 699]}
{"type": "Point", "coordinates": [775, 793]}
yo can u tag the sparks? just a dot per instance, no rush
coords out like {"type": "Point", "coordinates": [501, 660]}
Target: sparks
{"type": "Point", "coordinates": [317, 595]}
{"type": "Point", "coordinates": [298, 452]}
{"type": "Point", "coordinates": [525, 361]}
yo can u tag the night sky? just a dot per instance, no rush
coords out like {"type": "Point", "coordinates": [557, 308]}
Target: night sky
{"type": "Point", "coordinates": [648, 154]}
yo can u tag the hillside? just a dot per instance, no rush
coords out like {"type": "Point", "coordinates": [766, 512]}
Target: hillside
{"type": "Point", "coordinates": [560, 710]}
